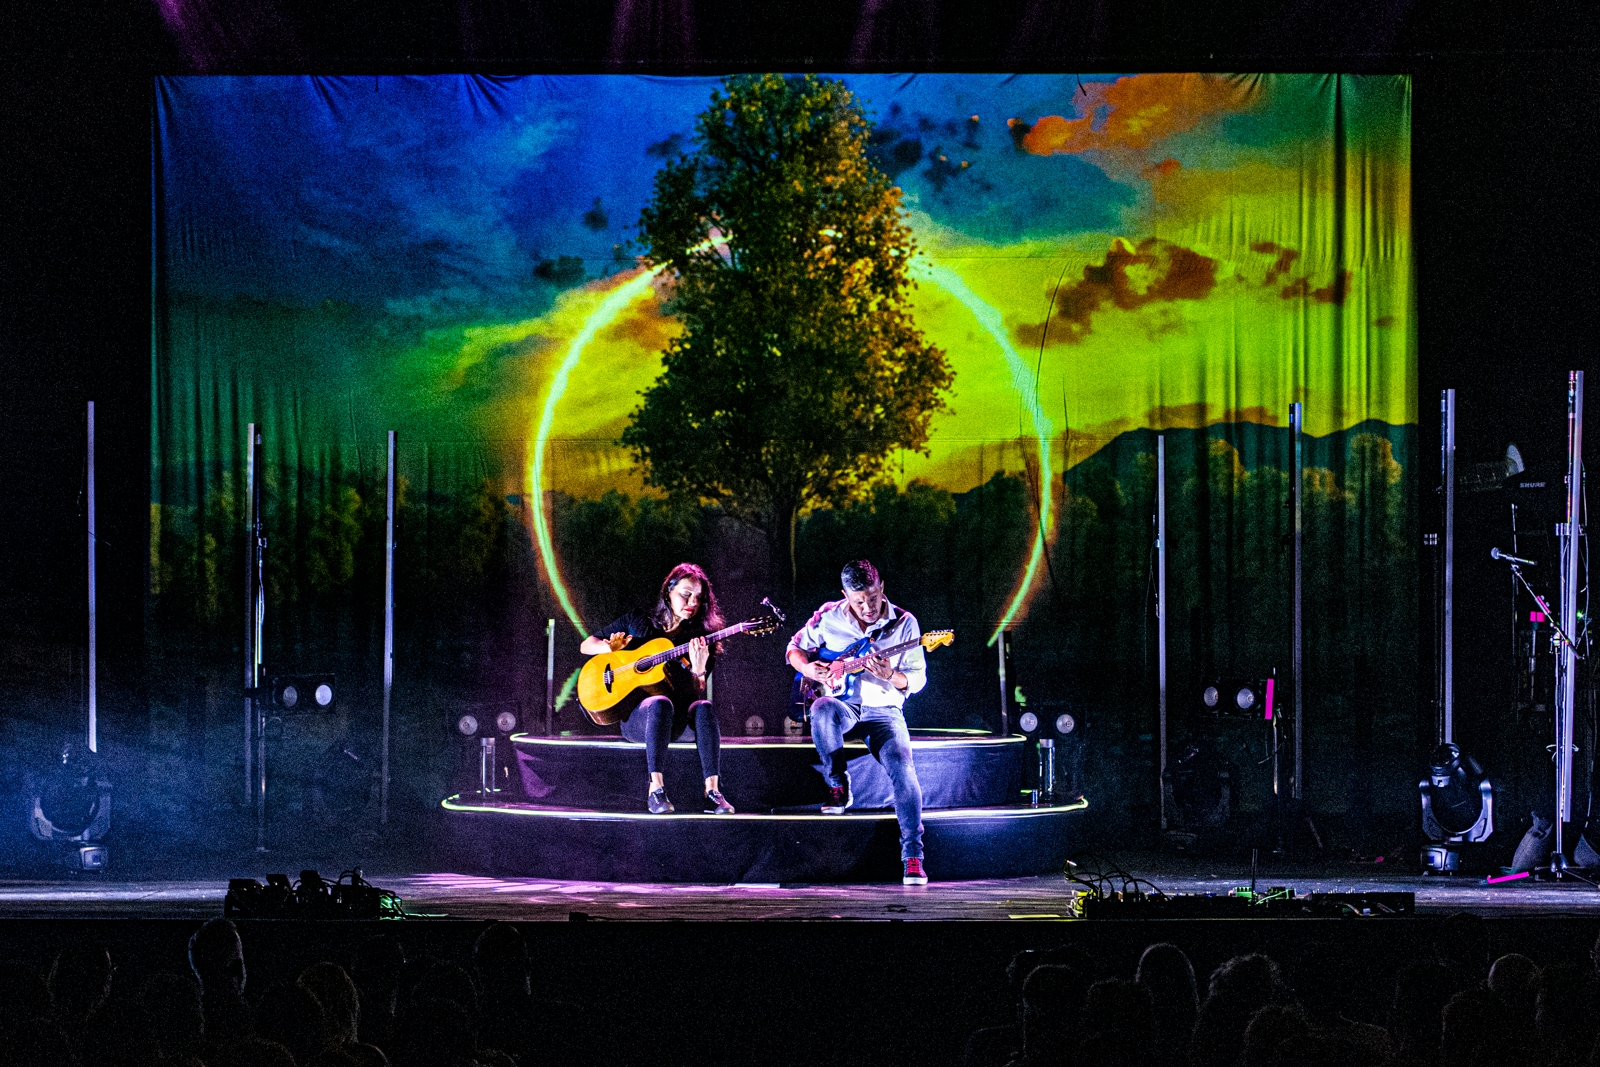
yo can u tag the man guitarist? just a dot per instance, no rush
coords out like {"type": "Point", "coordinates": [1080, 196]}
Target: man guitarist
{"type": "Point", "coordinates": [874, 710]}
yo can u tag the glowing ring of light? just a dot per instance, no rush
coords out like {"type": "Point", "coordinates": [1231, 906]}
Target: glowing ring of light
{"type": "Point", "coordinates": [1022, 380]}
{"type": "Point", "coordinates": [598, 319]}
{"type": "Point", "coordinates": [619, 298]}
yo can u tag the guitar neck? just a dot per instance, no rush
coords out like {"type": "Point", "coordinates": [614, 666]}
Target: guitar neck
{"type": "Point", "coordinates": [852, 664]}
{"type": "Point", "coordinates": [652, 662]}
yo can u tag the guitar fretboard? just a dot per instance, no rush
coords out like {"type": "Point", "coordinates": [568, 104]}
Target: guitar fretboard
{"type": "Point", "coordinates": [852, 664]}
{"type": "Point", "coordinates": [650, 663]}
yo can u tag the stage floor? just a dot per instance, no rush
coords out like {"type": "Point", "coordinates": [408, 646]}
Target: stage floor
{"type": "Point", "coordinates": [443, 894]}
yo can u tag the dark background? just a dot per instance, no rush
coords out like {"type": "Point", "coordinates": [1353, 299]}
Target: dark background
{"type": "Point", "coordinates": [1504, 128]}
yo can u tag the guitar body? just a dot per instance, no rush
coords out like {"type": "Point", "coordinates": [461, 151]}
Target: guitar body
{"type": "Point", "coordinates": [803, 692]}
{"type": "Point", "coordinates": [609, 688]}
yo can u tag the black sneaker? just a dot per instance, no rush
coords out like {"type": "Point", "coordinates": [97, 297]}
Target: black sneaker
{"type": "Point", "coordinates": [839, 798]}
{"type": "Point", "coordinates": [719, 803]}
{"type": "Point", "coordinates": [914, 875]}
{"type": "Point", "coordinates": [658, 802]}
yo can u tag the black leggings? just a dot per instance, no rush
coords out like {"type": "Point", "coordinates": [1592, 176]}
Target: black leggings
{"type": "Point", "coordinates": [656, 723]}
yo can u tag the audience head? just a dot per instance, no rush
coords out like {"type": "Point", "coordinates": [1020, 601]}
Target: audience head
{"type": "Point", "coordinates": [337, 994]}
{"type": "Point", "coordinates": [216, 955]}
{"type": "Point", "coordinates": [1514, 982]}
{"type": "Point", "coordinates": [1253, 979]}
{"type": "Point", "coordinates": [80, 981]}
{"type": "Point", "coordinates": [440, 1031]}
{"type": "Point", "coordinates": [448, 981]}
{"type": "Point", "coordinates": [500, 957]}
{"type": "Point", "coordinates": [1166, 972]}
{"type": "Point", "coordinates": [1468, 1022]}
{"type": "Point", "coordinates": [377, 968]}
{"type": "Point", "coordinates": [1053, 996]}
{"type": "Point", "coordinates": [1268, 1030]}
{"type": "Point", "coordinates": [291, 1016]}
{"type": "Point", "coordinates": [1117, 1019]}
{"type": "Point", "coordinates": [172, 1012]}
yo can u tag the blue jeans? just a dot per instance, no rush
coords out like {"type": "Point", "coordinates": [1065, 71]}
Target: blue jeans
{"type": "Point", "coordinates": [655, 723]}
{"type": "Point", "coordinates": [884, 729]}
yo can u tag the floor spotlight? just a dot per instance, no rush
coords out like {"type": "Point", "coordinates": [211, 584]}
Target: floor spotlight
{"type": "Point", "coordinates": [1457, 807]}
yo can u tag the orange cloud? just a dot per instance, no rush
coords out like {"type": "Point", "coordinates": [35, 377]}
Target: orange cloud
{"type": "Point", "coordinates": [1332, 293]}
{"type": "Point", "coordinates": [1130, 278]}
{"type": "Point", "coordinates": [646, 326]}
{"type": "Point", "coordinates": [1133, 113]}
{"type": "Point", "coordinates": [1281, 265]}
{"type": "Point", "coordinates": [1166, 168]}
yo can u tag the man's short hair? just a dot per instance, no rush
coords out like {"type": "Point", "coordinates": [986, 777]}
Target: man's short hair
{"type": "Point", "coordinates": [859, 574]}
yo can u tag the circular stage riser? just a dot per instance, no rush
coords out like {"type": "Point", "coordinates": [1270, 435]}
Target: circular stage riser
{"type": "Point", "coordinates": [764, 775]}
{"type": "Point", "coordinates": [734, 849]}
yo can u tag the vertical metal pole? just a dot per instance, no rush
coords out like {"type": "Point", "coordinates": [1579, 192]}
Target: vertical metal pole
{"type": "Point", "coordinates": [94, 726]}
{"type": "Point", "coordinates": [250, 614]}
{"type": "Point", "coordinates": [550, 677]}
{"type": "Point", "coordinates": [388, 633]}
{"type": "Point", "coordinates": [259, 553]}
{"type": "Point", "coordinates": [1566, 661]}
{"type": "Point", "coordinates": [1005, 718]}
{"type": "Point", "coordinates": [1297, 430]}
{"type": "Point", "coordinates": [1161, 618]}
{"type": "Point", "coordinates": [1447, 459]}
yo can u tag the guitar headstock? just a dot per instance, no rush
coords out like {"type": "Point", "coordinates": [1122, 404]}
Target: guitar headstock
{"type": "Point", "coordinates": [937, 639]}
{"type": "Point", "coordinates": [762, 626]}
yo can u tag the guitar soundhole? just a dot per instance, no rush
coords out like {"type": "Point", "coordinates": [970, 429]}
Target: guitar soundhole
{"type": "Point", "coordinates": [608, 677]}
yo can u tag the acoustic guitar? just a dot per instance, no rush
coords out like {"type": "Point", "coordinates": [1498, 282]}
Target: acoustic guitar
{"type": "Point", "coordinates": [612, 684]}
{"type": "Point", "coordinates": [848, 663]}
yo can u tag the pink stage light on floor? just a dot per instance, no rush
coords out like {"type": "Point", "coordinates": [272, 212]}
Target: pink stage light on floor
{"type": "Point", "coordinates": [1507, 877]}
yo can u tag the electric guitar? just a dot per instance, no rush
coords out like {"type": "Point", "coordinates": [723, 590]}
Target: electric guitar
{"type": "Point", "coordinates": [848, 663]}
{"type": "Point", "coordinates": [612, 684]}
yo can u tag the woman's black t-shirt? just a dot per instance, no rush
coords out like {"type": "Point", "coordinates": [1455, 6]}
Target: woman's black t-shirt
{"type": "Point", "coordinates": [640, 627]}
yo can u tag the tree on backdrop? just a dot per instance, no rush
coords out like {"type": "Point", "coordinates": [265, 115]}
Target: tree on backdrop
{"type": "Point", "coordinates": [799, 370]}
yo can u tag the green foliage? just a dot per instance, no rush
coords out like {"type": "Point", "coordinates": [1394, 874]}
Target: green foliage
{"type": "Point", "coordinates": [617, 549]}
{"type": "Point", "coordinates": [951, 558]}
{"type": "Point", "coordinates": [481, 544]}
{"type": "Point", "coordinates": [799, 370]}
{"type": "Point", "coordinates": [331, 548]}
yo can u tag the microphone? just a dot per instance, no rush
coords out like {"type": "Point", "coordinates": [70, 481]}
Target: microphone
{"type": "Point", "coordinates": [1495, 553]}
{"type": "Point", "coordinates": [766, 602]}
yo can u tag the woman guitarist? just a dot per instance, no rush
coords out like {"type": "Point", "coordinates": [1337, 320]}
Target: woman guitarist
{"type": "Point", "coordinates": [686, 607]}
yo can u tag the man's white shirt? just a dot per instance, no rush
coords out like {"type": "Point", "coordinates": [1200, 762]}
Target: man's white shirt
{"type": "Point", "coordinates": [834, 627]}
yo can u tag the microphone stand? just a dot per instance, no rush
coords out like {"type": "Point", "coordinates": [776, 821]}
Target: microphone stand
{"type": "Point", "coordinates": [1516, 572]}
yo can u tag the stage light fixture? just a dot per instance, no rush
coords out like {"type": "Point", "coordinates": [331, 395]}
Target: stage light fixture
{"type": "Point", "coordinates": [302, 693]}
{"type": "Point", "coordinates": [1457, 807]}
{"type": "Point", "coordinates": [467, 725]}
{"type": "Point", "coordinates": [1065, 724]}
{"type": "Point", "coordinates": [1239, 696]}
{"type": "Point", "coordinates": [505, 722]}
{"type": "Point", "coordinates": [1028, 723]}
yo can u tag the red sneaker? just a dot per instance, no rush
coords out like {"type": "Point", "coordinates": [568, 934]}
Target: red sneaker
{"type": "Point", "coordinates": [914, 875]}
{"type": "Point", "coordinates": [839, 798]}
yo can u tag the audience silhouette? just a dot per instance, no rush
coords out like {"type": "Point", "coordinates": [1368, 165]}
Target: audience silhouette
{"type": "Point", "coordinates": [1447, 1007]}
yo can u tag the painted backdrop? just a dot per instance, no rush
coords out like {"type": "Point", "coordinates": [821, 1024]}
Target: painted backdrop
{"type": "Point", "coordinates": [1102, 258]}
